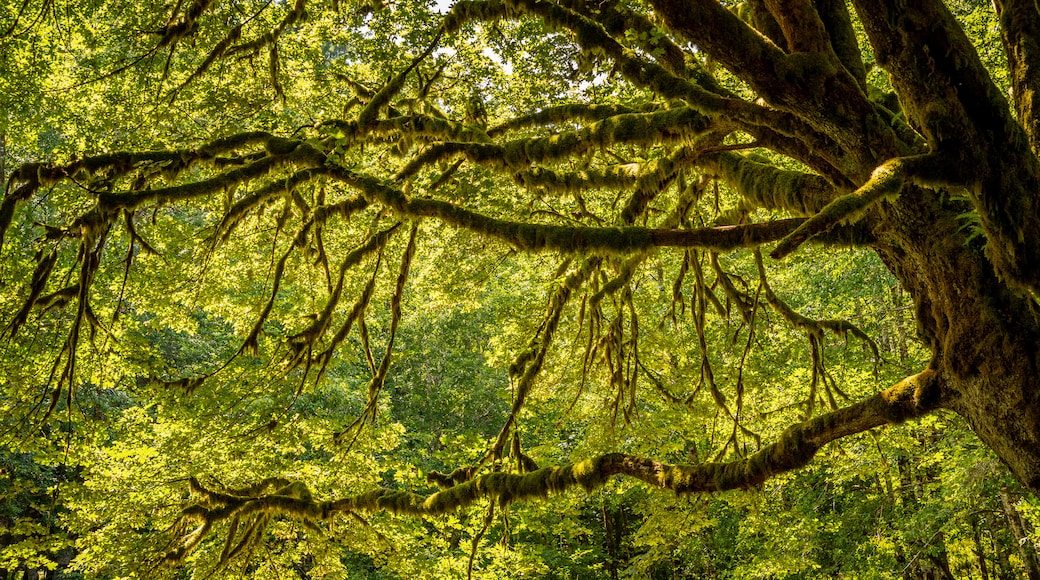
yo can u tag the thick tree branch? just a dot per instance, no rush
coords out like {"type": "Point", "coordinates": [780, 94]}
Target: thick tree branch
{"type": "Point", "coordinates": [811, 82]}
{"type": "Point", "coordinates": [838, 23]}
{"type": "Point", "coordinates": [720, 106]}
{"type": "Point", "coordinates": [801, 25]}
{"type": "Point", "coordinates": [912, 397]}
{"type": "Point", "coordinates": [885, 183]}
{"type": "Point", "coordinates": [570, 239]}
{"type": "Point", "coordinates": [656, 127]}
{"type": "Point", "coordinates": [763, 185]}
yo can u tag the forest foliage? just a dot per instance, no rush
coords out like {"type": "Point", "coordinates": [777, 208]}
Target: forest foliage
{"type": "Point", "coordinates": [403, 290]}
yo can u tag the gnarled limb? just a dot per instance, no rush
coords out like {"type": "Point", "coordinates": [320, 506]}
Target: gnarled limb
{"type": "Point", "coordinates": [807, 82]}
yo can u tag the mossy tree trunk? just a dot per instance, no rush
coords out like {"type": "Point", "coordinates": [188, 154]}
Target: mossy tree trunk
{"type": "Point", "coordinates": [975, 301]}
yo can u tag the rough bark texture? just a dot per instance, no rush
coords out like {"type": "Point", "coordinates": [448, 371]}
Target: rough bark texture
{"type": "Point", "coordinates": [1026, 549]}
{"type": "Point", "coordinates": [976, 304]}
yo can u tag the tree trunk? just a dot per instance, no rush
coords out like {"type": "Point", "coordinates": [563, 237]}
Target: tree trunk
{"type": "Point", "coordinates": [1003, 567]}
{"type": "Point", "coordinates": [983, 335]}
{"type": "Point", "coordinates": [980, 552]}
{"type": "Point", "coordinates": [1025, 545]}
{"type": "Point", "coordinates": [612, 538]}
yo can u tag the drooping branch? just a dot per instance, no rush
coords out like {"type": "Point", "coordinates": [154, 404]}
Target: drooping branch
{"type": "Point", "coordinates": [375, 384]}
{"type": "Point", "coordinates": [912, 397]}
{"type": "Point", "coordinates": [841, 327]}
{"type": "Point", "coordinates": [815, 329]}
{"type": "Point", "coordinates": [230, 46]}
{"type": "Point", "coordinates": [30, 178]}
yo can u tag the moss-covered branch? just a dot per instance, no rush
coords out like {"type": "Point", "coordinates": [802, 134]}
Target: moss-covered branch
{"type": "Point", "coordinates": [836, 19]}
{"type": "Point", "coordinates": [768, 187]}
{"type": "Point", "coordinates": [885, 183]}
{"type": "Point", "coordinates": [946, 91]}
{"type": "Point", "coordinates": [564, 114]}
{"type": "Point", "coordinates": [30, 178]}
{"type": "Point", "coordinates": [617, 176]}
{"type": "Point", "coordinates": [801, 25]}
{"type": "Point", "coordinates": [575, 239]}
{"type": "Point", "coordinates": [651, 128]}
{"type": "Point", "coordinates": [912, 397]}
{"type": "Point", "coordinates": [808, 82]}
{"type": "Point", "coordinates": [701, 94]}
{"type": "Point", "coordinates": [572, 239]}
{"type": "Point", "coordinates": [294, 152]}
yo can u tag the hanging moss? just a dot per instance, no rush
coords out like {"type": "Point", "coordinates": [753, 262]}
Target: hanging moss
{"type": "Point", "coordinates": [563, 115]}
{"type": "Point", "coordinates": [654, 177]}
{"type": "Point", "coordinates": [468, 11]}
{"type": "Point", "coordinates": [432, 127]}
{"type": "Point", "coordinates": [812, 326]}
{"type": "Point", "coordinates": [261, 196]}
{"type": "Point", "coordinates": [367, 117]}
{"type": "Point", "coordinates": [186, 25]}
{"type": "Point", "coordinates": [41, 274]}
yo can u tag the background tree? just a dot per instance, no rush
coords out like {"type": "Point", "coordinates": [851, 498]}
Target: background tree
{"type": "Point", "coordinates": [243, 203]}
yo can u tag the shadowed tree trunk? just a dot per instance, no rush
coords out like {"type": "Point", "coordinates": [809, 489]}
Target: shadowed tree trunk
{"type": "Point", "coordinates": [980, 551]}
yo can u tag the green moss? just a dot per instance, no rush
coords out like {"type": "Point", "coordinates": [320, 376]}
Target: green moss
{"type": "Point", "coordinates": [885, 182]}
{"type": "Point", "coordinates": [764, 185]}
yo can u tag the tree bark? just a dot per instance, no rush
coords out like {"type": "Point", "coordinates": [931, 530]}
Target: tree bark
{"type": "Point", "coordinates": [980, 552]}
{"type": "Point", "coordinates": [1026, 550]}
